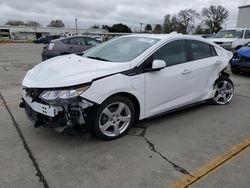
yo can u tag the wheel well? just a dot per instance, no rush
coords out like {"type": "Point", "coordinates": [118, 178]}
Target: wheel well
{"type": "Point", "coordinates": [65, 53]}
{"type": "Point", "coordinates": [134, 100]}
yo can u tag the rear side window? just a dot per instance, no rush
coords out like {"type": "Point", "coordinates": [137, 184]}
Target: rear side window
{"type": "Point", "coordinates": [247, 34]}
{"type": "Point", "coordinates": [77, 41]}
{"type": "Point", "coordinates": [172, 53]}
{"type": "Point", "coordinates": [200, 50]}
{"type": "Point", "coordinates": [91, 42]}
{"type": "Point", "coordinates": [65, 41]}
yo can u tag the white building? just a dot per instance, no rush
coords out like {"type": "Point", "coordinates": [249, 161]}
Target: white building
{"type": "Point", "coordinates": [244, 17]}
{"type": "Point", "coordinates": [31, 33]}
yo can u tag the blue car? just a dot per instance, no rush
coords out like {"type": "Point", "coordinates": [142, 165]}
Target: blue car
{"type": "Point", "coordinates": [241, 60]}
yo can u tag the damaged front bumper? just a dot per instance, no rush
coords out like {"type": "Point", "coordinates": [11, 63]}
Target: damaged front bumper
{"type": "Point", "coordinates": [77, 113]}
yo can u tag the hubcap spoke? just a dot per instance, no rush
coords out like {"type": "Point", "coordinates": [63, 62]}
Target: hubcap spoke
{"type": "Point", "coordinates": [217, 97]}
{"type": "Point", "coordinates": [229, 90]}
{"type": "Point", "coordinates": [107, 112]}
{"type": "Point", "coordinates": [116, 129]}
{"type": "Point", "coordinates": [125, 118]}
{"type": "Point", "coordinates": [106, 126]}
{"type": "Point", "coordinates": [224, 98]}
{"type": "Point", "coordinates": [120, 108]}
{"type": "Point", "coordinates": [224, 86]}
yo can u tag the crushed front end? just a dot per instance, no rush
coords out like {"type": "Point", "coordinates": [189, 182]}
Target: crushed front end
{"type": "Point", "coordinates": [241, 60]}
{"type": "Point", "coordinates": [59, 108]}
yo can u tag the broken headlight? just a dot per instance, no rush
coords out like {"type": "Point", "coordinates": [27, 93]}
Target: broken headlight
{"type": "Point", "coordinates": [63, 94]}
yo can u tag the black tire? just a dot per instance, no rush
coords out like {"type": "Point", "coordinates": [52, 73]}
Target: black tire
{"type": "Point", "coordinates": [110, 101]}
{"type": "Point", "coordinates": [219, 81]}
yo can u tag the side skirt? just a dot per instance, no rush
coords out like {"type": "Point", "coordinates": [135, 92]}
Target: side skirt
{"type": "Point", "coordinates": [178, 109]}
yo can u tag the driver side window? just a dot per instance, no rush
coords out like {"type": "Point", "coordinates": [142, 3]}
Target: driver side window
{"type": "Point", "coordinates": [172, 53]}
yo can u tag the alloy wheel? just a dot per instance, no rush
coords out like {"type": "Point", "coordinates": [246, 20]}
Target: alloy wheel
{"type": "Point", "coordinates": [224, 92]}
{"type": "Point", "coordinates": [114, 119]}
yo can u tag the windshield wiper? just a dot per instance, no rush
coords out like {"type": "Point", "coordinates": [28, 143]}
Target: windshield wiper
{"type": "Point", "coordinates": [98, 58]}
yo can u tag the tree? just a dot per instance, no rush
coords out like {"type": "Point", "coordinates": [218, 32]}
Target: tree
{"type": "Point", "coordinates": [95, 26]}
{"type": "Point", "coordinates": [15, 22]}
{"type": "Point", "coordinates": [106, 27]}
{"type": "Point", "coordinates": [56, 23]}
{"type": "Point", "coordinates": [120, 28]}
{"type": "Point", "coordinates": [214, 17]}
{"type": "Point", "coordinates": [172, 23]}
{"type": "Point", "coordinates": [187, 19]}
{"type": "Point", "coordinates": [148, 28]}
{"type": "Point", "coordinates": [157, 29]}
{"type": "Point", "coordinates": [33, 23]}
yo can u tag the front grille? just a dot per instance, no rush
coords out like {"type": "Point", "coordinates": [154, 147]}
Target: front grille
{"type": "Point", "coordinates": [245, 59]}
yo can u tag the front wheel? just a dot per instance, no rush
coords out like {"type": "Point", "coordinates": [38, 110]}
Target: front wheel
{"type": "Point", "coordinates": [113, 118]}
{"type": "Point", "coordinates": [224, 89]}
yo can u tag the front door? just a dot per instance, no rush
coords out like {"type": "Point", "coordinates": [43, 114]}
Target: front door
{"type": "Point", "coordinates": [170, 87]}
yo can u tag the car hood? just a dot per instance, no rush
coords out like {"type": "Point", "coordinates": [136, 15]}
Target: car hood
{"type": "Point", "coordinates": [70, 70]}
{"type": "Point", "coordinates": [244, 51]}
{"type": "Point", "coordinates": [222, 39]}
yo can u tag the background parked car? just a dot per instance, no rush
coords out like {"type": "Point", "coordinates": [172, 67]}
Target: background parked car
{"type": "Point", "coordinates": [46, 40]}
{"type": "Point", "coordinates": [232, 39]}
{"type": "Point", "coordinates": [68, 45]}
{"type": "Point", "coordinates": [241, 60]}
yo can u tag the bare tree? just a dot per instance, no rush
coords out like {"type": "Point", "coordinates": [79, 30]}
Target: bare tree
{"type": "Point", "coordinates": [56, 23]}
{"type": "Point", "coordinates": [214, 17]}
{"type": "Point", "coordinates": [187, 18]}
{"type": "Point", "coordinates": [172, 23]}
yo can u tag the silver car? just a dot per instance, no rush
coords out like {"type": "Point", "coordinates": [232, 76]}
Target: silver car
{"type": "Point", "coordinates": [69, 45]}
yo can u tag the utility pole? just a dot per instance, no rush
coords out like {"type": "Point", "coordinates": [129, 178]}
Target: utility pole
{"type": "Point", "coordinates": [141, 26]}
{"type": "Point", "coordinates": [76, 26]}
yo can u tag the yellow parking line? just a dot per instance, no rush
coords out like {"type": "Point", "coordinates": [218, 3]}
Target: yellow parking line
{"type": "Point", "coordinates": [187, 180]}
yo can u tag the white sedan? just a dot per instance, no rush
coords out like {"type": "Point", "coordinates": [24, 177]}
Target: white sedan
{"type": "Point", "coordinates": [126, 79]}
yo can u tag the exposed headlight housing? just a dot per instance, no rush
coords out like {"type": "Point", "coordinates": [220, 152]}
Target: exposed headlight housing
{"type": "Point", "coordinates": [63, 94]}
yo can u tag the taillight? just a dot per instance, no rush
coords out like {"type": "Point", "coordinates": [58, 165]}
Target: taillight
{"type": "Point", "coordinates": [51, 46]}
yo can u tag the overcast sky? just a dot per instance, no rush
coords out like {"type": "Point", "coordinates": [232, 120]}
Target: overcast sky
{"type": "Point", "coordinates": [89, 12]}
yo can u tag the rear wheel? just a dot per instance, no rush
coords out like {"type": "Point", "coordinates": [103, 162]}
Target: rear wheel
{"type": "Point", "coordinates": [224, 89]}
{"type": "Point", "coordinates": [113, 118]}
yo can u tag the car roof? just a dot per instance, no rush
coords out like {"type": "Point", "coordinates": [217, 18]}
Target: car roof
{"type": "Point", "coordinates": [235, 28]}
{"type": "Point", "coordinates": [169, 36]}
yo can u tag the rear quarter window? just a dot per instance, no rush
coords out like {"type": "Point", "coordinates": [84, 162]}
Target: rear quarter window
{"type": "Point", "coordinates": [65, 41]}
{"type": "Point", "coordinates": [201, 50]}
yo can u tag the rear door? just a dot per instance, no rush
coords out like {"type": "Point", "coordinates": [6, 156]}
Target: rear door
{"type": "Point", "coordinates": [203, 65]}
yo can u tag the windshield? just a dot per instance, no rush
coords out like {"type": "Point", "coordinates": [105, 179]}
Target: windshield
{"type": "Point", "coordinates": [229, 34]}
{"type": "Point", "coordinates": [123, 49]}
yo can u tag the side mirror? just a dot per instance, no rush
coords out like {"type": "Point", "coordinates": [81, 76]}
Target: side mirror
{"type": "Point", "coordinates": [158, 64]}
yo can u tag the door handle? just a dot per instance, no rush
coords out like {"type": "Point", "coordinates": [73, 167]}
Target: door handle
{"type": "Point", "coordinates": [186, 72]}
{"type": "Point", "coordinates": [218, 62]}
